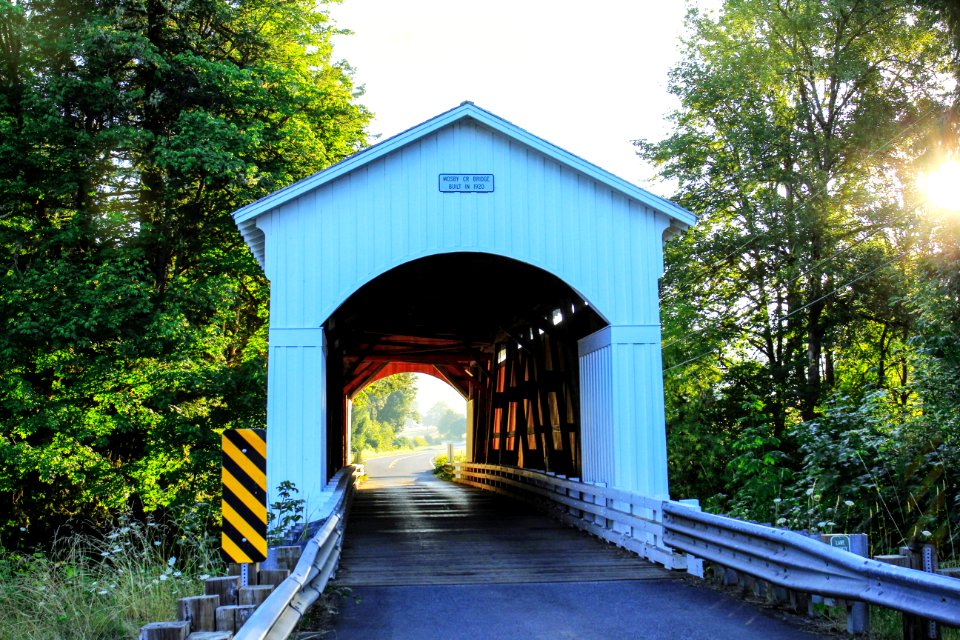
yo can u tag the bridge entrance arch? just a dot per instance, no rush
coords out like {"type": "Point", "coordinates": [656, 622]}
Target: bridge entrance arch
{"type": "Point", "coordinates": [466, 246]}
{"type": "Point", "coordinates": [502, 333]}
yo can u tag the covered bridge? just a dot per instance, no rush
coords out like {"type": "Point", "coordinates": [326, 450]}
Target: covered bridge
{"type": "Point", "coordinates": [471, 250]}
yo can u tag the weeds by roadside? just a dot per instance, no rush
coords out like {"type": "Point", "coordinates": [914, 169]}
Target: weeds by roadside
{"type": "Point", "coordinates": [320, 618]}
{"type": "Point", "coordinates": [442, 467]}
{"type": "Point", "coordinates": [104, 587]}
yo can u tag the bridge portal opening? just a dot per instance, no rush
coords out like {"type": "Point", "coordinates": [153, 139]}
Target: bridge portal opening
{"type": "Point", "coordinates": [503, 333]}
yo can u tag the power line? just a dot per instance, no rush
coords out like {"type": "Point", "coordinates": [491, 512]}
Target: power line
{"type": "Point", "coordinates": [796, 311]}
{"type": "Point", "coordinates": [927, 115]}
{"type": "Point", "coordinates": [845, 285]}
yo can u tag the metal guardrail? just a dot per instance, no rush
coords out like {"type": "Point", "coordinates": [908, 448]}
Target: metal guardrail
{"type": "Point", "coordinates": [657, 530]}
{"type": "Point", "coordinates": [625, 519]}
{"type": "Point", "coordinates": [791, 560]}
{"type": "Point", "coordinates": [280, 612]}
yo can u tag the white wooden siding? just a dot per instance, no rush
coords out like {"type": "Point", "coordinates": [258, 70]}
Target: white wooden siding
{"type": "Point", "coordinates": [621, 408]}
{"type": "Point", "coordinates": [326, 244]}
{"type": "Point", "coordinates": [322, 239]}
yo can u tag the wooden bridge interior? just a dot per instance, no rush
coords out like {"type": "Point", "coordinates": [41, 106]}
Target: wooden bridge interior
{"type": "Point", "coordinates": [502, 332]}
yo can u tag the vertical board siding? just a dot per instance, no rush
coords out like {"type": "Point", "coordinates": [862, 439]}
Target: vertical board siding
{"type": "Point", "coordinates": [638, 412]}
{"type": "Point", "coordinates": [326, 244]}
{"type": "Point", "coordinates": [596, 419]}
{"type": "Point", "coordinates": [296, 421]}
{"type": "Point", "coordinates": [621, 406]}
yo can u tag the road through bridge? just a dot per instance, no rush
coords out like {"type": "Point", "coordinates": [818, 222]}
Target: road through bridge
{"type": "Point", "coordinates": [429, 559]}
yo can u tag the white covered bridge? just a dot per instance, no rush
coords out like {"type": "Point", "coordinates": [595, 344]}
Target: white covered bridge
{"type": "Point", "coordinates": [471, 250]}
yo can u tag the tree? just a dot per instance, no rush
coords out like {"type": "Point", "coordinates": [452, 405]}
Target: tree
{"type": "Point", "coordinates": [380, 412]}
{"type": "Point", "coordinates": [792, 141]}
{"type": "Point", "coordinates": [134, 318]}
{"type": "Point", "coordinates": [450, 424]}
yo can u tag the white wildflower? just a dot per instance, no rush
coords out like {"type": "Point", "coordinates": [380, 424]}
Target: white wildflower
{"type": "Point", "coordinates": [925, 533]}
{"type": "Point", "coordinates": [105, 553]}
{"type": "Point", "coordinates": [171, 561]}
{"type": "Point", "coordinates": [204, 576]}
{"type": "Point", "coordinates": [810, 492]}
{"type": "Point", "coordinates": [777, 501]}
{"type": "Point", "coordinates": [103, 592]}
{"type": "Point", "coordinates": [821, 524]}
{"type": "Point", "coordinates": [156, 543]}
{"type": "Point", "coordinates": [849, 503]}
{"type": "Point", "coordinates": [113, 536]}
{"type": "Point", "coordinates": [163, 576]}
{"type": "Point", "coordinates": [781, 520]}
{"type": "Point", "coordinates": [177, 574]}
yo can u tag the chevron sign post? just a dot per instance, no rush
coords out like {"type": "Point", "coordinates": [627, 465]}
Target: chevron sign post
{"type": "Point", "coordinates": [244, 503]}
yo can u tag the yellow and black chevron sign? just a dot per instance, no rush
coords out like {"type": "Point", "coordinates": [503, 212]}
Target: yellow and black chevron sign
{"type": "Point", "coordinates": [244, 502]}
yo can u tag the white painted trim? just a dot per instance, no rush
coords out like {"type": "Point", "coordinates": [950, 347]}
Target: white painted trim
{"type": "Point", "coordinates": [465, 110]}
{"type": "Point", "coordinates": [635, 334]}
{"type": "Point", "coordinates": [304, 337]}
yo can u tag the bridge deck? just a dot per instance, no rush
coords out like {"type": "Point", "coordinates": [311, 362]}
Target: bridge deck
{"type": "Point", "coordinates": [438, 533]}
{"type": "Point", "coordinates": [428, 559]}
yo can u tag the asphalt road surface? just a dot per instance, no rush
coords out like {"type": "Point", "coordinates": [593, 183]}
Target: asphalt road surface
{"type": "Point", "coordinates": [429, 559]}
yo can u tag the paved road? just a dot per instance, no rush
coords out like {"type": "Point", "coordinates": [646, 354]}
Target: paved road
{"type": "Point", "coordinates": [427, 559]}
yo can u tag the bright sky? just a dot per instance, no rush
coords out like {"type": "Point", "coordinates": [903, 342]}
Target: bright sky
{"type": "Point", "coordinates": [431, 390]}
{"type": "Point", "coordinates": [588, 77]}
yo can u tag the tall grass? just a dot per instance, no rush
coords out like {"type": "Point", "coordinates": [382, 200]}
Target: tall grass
{"type": "Point", "coordinates": [106, 586]}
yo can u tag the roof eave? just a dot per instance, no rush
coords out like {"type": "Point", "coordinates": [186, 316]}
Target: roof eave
{"type": "Point", "coordinates": [465, 110]}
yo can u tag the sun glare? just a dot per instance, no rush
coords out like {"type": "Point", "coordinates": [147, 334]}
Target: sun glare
{"type": "Point", "coordinates": [943, 186]}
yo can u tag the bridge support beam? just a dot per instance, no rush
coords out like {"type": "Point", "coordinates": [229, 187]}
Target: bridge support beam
{"type": "Point", "coordinates": [621, 409]}
{"type": "Point", "coordinates": [297, 415]}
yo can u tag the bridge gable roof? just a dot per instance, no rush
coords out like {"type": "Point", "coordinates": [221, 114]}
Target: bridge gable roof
{"type": "Point", "coordinates": [467, 110]}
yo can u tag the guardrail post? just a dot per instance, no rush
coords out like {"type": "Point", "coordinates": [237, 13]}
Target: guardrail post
{"type": "Point", "coordinates": [922, 558]}
{"type": "Point", "coordinates": [694, 564]}
{"type": "Point", "coordinates": [858, 613]}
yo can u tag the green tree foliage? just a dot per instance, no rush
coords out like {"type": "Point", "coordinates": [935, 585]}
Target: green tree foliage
{"type": "Point", "coordinates": [450, 424]}
{"type": "Point", "coordinates": [380, 412]}
{"type": "Point", "coordinates": [793, 306]}
{"type": "Point", "coordinates": [134, 318]}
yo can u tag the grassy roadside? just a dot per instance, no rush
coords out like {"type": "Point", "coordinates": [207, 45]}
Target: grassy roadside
{"type": "Point", "coordinates": [103, 587]}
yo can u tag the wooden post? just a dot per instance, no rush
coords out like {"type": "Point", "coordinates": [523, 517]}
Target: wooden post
{"type": "Point", "coordinates": [254, 595]}
{"type": "Point", "coordinates": [896, 560]}
{"type": "Point", "coordinates": [165, 631]}
{"type": "Point", "coordinates": [287, 557]}
{"type": "Point", "coordinates": [273, 576]}
{"type": "Point", "coordinates": [226, 587]}
{"type": "Point", "coordinates": [199, 611]}
{"type": "Point", "coordinates": [232, 617]}
{"type": "Point", "coordinates": [235, 569]}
